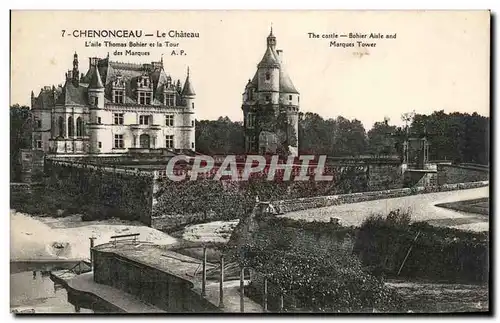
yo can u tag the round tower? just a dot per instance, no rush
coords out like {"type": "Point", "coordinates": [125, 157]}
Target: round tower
{"type": "Point", "coordinates": [188, 98]}
{"type": "Point", "coordinates": [96, 103]}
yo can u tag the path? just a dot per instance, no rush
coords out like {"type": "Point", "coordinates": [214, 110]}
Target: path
{"type": "Point", "coordinates": [422, 208]}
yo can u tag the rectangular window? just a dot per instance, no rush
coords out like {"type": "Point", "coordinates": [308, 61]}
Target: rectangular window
{"type": "Point", "coordinates": [144, 120]}
{"type": "Point", "coordinates": [39, 123]}
{"type": "Point", "coordinates": [119, 142]}
{"type": "Point", "coordinates": [192, 145]}
{"type": "Point", "coordinates": [250, 120]}
{"type": "Point", "coordinates": [268, 98]}
{"type": "Point", "coordinates": [117, 98]}
{"type": "Point", "coordinates": [39, 144]}
{"type": "Point", "coordinates": [289, 97]}
{"type": "Point", "coordinates": [118, 118]}
{"type": "Point", "coordinates": [192, 123]}
{"type": "Point", "coordinates": [144, 97]}
{"type": "Point", "coordinates": [169, 141]}
{"type": "Point", "coordinates": [99, 120]}
{"type": "Point", "coordinates": [170, 100]}
{"type": "Point", "coordinates": [169, 120]}
{"type": "Point", "coordinates": [99, 144]}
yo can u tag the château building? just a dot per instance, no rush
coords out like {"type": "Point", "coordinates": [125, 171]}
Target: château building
{"type": "Point", "coordinates": [271, 105]}
{"type": "Point", "coordinates": [113, 108]}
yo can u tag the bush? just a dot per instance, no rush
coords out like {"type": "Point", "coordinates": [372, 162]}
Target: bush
{"type": "Point", "coordinates": [334, 282]}
{"type": "Point", "coordinates": [438, 253]}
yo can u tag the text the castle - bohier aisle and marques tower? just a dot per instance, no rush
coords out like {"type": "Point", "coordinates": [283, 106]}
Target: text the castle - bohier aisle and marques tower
{"type": "Point", "coordinates": [114, 107]}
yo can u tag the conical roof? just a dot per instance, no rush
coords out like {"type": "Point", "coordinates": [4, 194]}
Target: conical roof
{"type": "Point", "coordinates": [269, 59]}
{"type": "Point", "coordinates": [188, 87]}
{"type": "Point", "coordinates": [286, 84]}
{"type": "Point", "coordinates": [95, 80]}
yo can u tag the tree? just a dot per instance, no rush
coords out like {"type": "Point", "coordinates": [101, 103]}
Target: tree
{"type": "Point", "coordinates": [381, 140]}
{"type": "Point", "coordinates": [221, 136]}
{"type": "Point", "coordinates": [20, 137]}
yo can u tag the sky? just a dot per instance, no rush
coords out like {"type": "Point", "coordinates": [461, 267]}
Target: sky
{"type": "Point", "coordinates": [437, 61]}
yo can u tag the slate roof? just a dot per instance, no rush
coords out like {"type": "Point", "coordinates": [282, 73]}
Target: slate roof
{"type": "Point", "coordinates": [95, 80]}
{"type": "Point", "coordinates": [188, 87]}
{"type": "Point", "coordinates": [103, 76]}
{"type": "Point", "coordinates": [271, 58]}
{"type": "Point", "coordinates": [70, 94]}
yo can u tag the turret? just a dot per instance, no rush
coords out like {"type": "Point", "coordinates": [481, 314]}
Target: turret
{"type": "Point", "coordinates": [188, 93]}
{"type": "Point", "coordinates": [268, 73]}
{"type": "Point", "coordinates": [96, 87]}
{"type": "Point", "coordinates": [75, 72]}
{"type": "Point", "coordinates": [188, 96]}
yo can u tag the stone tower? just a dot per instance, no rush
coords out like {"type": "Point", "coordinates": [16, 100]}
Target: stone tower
{"type": "Point", "coordinates": [271, 106]}
{"type": "Point", "coordinates": [188, 99]}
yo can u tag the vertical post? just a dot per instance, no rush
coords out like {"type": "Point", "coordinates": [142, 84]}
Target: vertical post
{"type": "Point", "coordinates": [91, 246]}
{"type": "Point", "coordinates": [281, 303]}
{"type": "Point", "coordinates": [221, 286]}
{"type": "Point", "coordinates": [265, 293]}
{"type": "Point", "coordinates": [242, 290]}
{"type": "Point", "coordinates": [204, 273]}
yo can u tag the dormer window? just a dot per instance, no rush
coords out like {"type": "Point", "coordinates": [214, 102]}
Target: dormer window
{"type": "Point", "coordinates": [144, 97]}
{"type": "Point", "coordinates": [170, 100]}
{"type": "Point", "coordinates": [117, 97]}
{"type": "Point", "coordinates": [144, 82]}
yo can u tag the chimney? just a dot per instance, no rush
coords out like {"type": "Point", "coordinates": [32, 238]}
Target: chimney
{"type": "Point", "coordinates": [93, 61]}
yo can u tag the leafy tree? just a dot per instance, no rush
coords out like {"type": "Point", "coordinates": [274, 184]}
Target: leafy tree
{"type": "Point", "coordinates": [381, 139]}
{"type": "Point", "coordinates": [20, 136]}
{"type": "Point", "coordinates": [221, 136]}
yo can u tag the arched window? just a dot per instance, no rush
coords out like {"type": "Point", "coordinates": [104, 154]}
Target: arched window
{"type": "Point", "coordinates": [79, 127]}
{"type": "Point", "coordinates": [60, 123]}
{"type": "Point", "coordinates": [71, 127]}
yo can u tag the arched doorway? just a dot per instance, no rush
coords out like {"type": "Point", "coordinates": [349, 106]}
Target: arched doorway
{"type": "Point", "coordinates": [144, 141]}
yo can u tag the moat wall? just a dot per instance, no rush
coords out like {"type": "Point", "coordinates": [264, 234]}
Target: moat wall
{"type": "Point", "coordinates": [107, 191]}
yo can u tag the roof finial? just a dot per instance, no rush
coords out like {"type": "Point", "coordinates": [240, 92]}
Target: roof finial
{"type": "Point", "coordinates": [188, 72]}
{"type": "Point", "coordinates": [107, 56]}
{"type": "Point", "coordinates": [271, 29]}
{"type": "Point", "coordinates": [161, 59]}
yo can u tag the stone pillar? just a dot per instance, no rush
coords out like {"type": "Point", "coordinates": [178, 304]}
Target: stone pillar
{"type": "Point", "coordinates": [204, 273]}
{"type": "Point", "coordinates": [91, 246]}
{"type": "Point", "coordinates": [242, 290]}
{"type": "Point", "coordinates": [221, 283]}
{"type": "Point", "coordinates": [265, 294]}
{"type": "Point", "coordinates": [135, 139]}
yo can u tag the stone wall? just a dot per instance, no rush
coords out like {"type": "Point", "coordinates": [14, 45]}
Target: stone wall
{"type": "Point", "coordinates": [322, 201]}
{"type": "Point", "coordinates": [149, 284]}
{"type": "Point", "coordinates": [384, 176]}
{"type": "Point", "coordinates": [450, 174]}
{"type": "Point", "coordinates": [115, 192]}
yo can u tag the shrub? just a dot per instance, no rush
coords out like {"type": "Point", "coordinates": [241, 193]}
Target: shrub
{"type": "Point", "coordinates": [382, 244]}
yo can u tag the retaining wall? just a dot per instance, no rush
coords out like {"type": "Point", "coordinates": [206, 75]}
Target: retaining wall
{"type": "Point", "coordinates": [117, 192]}
{"type": "Point", "coordinates": [450, 174]}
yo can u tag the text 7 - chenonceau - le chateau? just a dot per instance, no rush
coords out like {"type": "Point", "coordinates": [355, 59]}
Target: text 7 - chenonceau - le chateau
{"type": "Point", "coordinates": [114, 107]}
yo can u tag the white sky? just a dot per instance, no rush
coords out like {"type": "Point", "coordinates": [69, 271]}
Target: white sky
{"type": "Point", "coordinates": [439, 60]}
